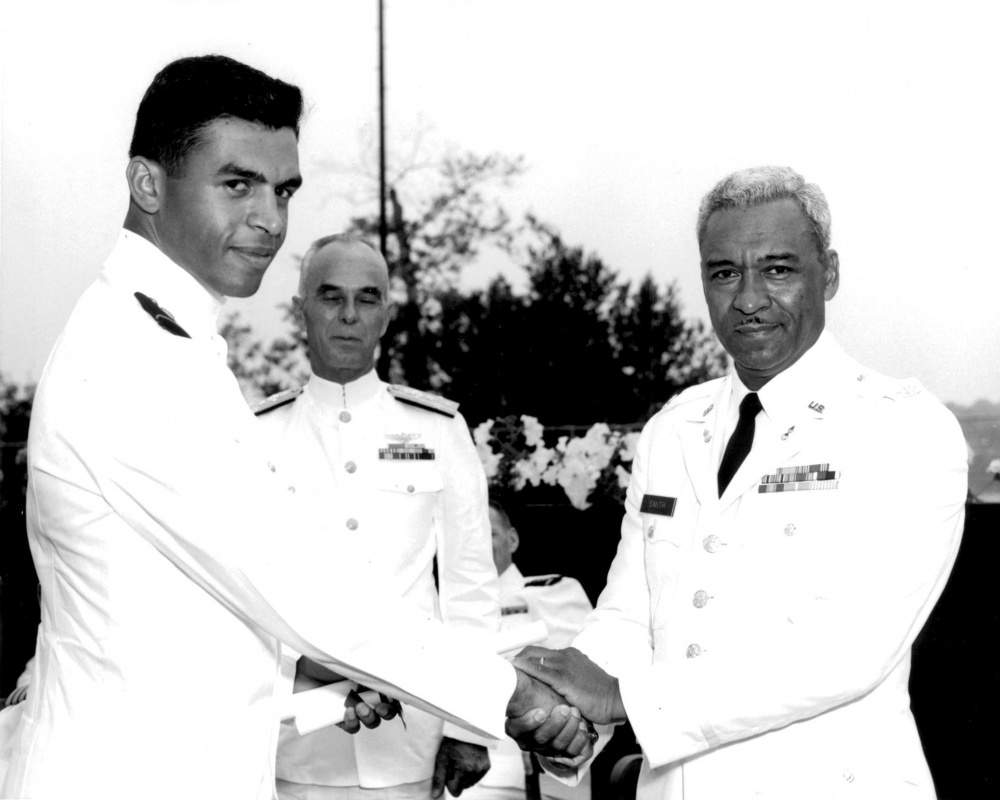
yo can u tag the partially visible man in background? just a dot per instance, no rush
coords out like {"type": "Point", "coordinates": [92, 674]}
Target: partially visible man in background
{"type": "Point", "coordinates": [405, 472]}
{"type": "Point", "coordinates": [561, 603]}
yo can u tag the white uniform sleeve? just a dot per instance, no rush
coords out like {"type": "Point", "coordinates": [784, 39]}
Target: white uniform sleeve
{"type": "Point", "coordinates": [181, 467]}
{"type": "Point", "coordinates": [467, 576]}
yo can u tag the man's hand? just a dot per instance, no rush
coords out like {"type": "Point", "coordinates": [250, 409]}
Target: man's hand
{"type": "Point", "coordinates": [310, 674]}
{"type": "Point", "coordinates": [357, 712]}
{"type": "Point", "coordinates": [19, 695]}
{"type": "Point", "coordinates": [584, 684]}
{"type": "Point", "coordinates": [561, 735]}
{"type": "Point", "coordinates": [458, 766]}
{"type": "Point", "coordinates": [540, 720]}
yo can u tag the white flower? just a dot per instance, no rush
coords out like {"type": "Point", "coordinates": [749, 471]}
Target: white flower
{"type": "Point", "coordinates": [481, 433]}
{"type": "Point", "coordinates": [994, 468]}
{"type": "Point", "coordinates": [531, 469]}
{"type": "Point", "coordinates": [490, 460]}
{"type": "Point", "coordinates": [629, 441]}
{"type": "Point", "coordinates": [533, 430]}
{"type": "Point", "coordinates": [624, 476]}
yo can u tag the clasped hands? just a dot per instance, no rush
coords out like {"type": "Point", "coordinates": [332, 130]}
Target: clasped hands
{"type": "Point", "coordinates": [559, 693]}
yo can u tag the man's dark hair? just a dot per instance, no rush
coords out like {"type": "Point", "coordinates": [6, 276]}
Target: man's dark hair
{"type": "Point", "coordinates": [187, 95]}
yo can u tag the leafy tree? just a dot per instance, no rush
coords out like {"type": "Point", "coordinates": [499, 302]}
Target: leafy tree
{"type": "Point", "coordinates": [579, 347]}
{"type": "Point", "coordinates": [429, 242]}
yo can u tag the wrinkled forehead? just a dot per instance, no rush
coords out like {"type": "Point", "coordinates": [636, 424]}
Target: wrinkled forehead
{"type": "Point", "coordinates": [349, 266]}
{"type": "Point", "coordinates": [778, 226]}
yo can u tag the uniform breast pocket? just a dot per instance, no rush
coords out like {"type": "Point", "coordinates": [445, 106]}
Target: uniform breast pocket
{"type": "Point", "coordinates": [668, 518]}
{"type": "Point", "coordinates": [416, 480]}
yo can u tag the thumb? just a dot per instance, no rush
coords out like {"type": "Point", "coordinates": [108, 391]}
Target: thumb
{"type": "Point", "coordinates": [440, 774]}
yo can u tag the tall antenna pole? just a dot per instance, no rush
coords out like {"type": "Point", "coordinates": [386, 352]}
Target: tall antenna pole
{"type": "Point", "coordinates": [383, 229]}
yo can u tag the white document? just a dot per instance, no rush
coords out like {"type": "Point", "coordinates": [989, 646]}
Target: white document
{"type": "Point", "coordinates": [322, 707]}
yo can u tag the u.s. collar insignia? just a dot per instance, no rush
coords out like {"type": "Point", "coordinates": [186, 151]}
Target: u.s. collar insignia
{"type": "Point", "coordinates": [404, 449]}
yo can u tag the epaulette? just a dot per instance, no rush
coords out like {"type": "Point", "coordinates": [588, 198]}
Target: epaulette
{"type": "Point", "coordinates": [431, 402]}
{"type": "Point", "coordinates": [910, 387]}
{"type": "Point", "coordinates": [275, 401]}
{"type": "Point", "coordinates": [543, 580]}
{"type": "Point", "coordinates": [161, 316]}
{"type": "Point", "coordinates": [692, 393]}
{"type": "Point", "coordinates": [876, 385]}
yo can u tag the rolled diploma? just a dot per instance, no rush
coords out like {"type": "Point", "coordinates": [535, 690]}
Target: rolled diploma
{"type": "Point", "coordinates": [322, 707]}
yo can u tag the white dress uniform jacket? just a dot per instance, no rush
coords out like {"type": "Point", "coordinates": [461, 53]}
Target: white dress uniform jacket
{"type": "Point", "coordinates": [167, 547]}
{"type": "Point", "coordinates": [762, 640]}
{"type": "Point", "coordinates": [562, 604]}
{"type": "Point", "coordinates": [407, 484]}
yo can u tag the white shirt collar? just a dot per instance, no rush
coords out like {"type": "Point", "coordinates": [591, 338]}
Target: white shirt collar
{"type": "Point", "coordinates": [790, 391]}
{"type": "Point", "coordinates": [783, 394]}
{"type": "Point", "coordinates": [327, 394]}
{"type": "Point", "coordinates": [137, 265]}
{"type": "Point", "coordinates": [511, 581]}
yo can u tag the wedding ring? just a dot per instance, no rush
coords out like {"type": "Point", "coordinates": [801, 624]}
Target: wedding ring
{"type": "Point", "coordinates": [541, 661]}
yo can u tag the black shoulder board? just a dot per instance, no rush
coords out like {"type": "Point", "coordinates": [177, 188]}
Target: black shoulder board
{"type": "Point", "coordinates": [162, 317]}
{"type": "Point", "coordinates": [431, 402]}
{"type": "Point", "coordinates": [543, 580]}
{"type": "Point", "coordinates": [275, 401]}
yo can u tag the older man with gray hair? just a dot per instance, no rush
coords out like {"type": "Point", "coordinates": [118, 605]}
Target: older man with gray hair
{"type": "Point", "coordinates": [787, 531]}
{"type": "Point", "coordinates": [406, 473]}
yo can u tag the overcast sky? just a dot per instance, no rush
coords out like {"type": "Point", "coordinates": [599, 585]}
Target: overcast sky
{"type": "Point", "coordinates": [625, 112]}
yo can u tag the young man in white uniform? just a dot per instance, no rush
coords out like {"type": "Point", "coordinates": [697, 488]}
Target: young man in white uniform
{"type": "Point", "coordinates": [165, 540]}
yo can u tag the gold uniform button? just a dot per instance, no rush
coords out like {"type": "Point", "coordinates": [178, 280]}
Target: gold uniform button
{"type": "Point", "coordinates": [694, 650]}
{"type": "Point", "coordinates": [790, 529]}
{"type": "Point", "coordinates": [650, 531]}
{"type": "Point", "coordinates": [345, 416]}
{"type": "Point", "coordinates": [291, 489]}
{"type": "Point", "coordinates": [411, 488]}
{"type": "Point", "coordinates": [350, 466]}
{"type": "Point", "coordinates": [712, 543]}
{"type": "Point", "coordinates": [708, 436]}
{"type": "Point", "coordinates": [700, 599]}
{"type": "Point", "coordinates": [352, 524]}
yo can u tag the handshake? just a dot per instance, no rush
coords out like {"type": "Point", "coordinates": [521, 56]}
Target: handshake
{"type": "Point", "coordinates": [559, 694]}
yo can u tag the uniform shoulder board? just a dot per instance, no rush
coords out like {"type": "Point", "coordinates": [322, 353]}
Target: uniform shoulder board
{"type": "Point", "coordinates": [692, 393]}
{"type": "Point", "coordinates": [876, 385]}
{"type": "Point", "coordinates": [905, 389]}
{"type": "Point", "coordinates": [431, 402]}
{"type": "Point", "coordinates": [275, 401]}
{"type": "Point", "coordinates": [543, 580]}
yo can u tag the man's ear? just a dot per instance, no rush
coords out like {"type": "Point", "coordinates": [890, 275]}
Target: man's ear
{"type": "Point", "coordinates": [391, 310]}
{"type": "Point", "coordinates": [145, 183]}
{"type": "Point", "coordinates": [298, 313]}
{"type": "Point", "coordinates": [515, 540]}
{"type": "Point", "coordinates": [831, 274]}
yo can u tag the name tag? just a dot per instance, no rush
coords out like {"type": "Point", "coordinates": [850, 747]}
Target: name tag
{"type": "Point", "coordinates": [654, 504]}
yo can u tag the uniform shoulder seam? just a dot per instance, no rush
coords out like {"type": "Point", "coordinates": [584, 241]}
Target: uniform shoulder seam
{"type": "Point", "coordinates": [424, 400]}
{"type": "Point", "coordinates": [274, 401]}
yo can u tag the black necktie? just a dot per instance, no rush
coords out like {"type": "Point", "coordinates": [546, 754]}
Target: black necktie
{"type": "Point", "coordinates": [740, 442]}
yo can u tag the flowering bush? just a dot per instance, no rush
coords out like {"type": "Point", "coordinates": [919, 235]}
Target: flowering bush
{"type": "Point", "coordinates": [514, 454]}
